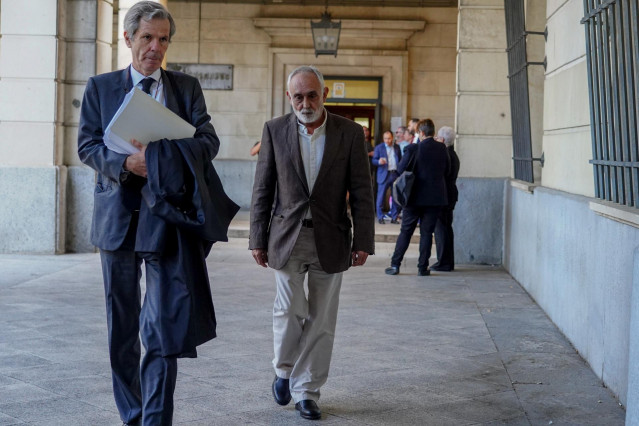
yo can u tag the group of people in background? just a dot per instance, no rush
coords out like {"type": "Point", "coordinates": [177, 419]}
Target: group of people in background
{"type": "Point", "coordinates": [435, 165]}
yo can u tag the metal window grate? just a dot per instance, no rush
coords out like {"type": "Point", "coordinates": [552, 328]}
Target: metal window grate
{"type": "Point", "coordinates": [518, 80]}
{"type": "Point", "coordinates": [612, 51]}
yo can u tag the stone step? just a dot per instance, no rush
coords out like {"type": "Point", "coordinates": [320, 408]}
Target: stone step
{"type": "Point", "coordinates": [383, 233]}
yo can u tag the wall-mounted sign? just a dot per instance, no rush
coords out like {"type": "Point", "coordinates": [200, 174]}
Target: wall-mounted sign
{"type": "Point", "coordinates": [211, 77]}
{"type": "Point", "coordinates": [338, 90]}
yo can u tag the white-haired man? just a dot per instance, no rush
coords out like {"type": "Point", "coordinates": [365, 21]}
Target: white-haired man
{"type": "Point", "coordinates": [444, 236]}
{"type": "Point", "coordinates": [309, 160]}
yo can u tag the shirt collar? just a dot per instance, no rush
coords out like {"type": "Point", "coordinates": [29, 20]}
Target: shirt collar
{"type": "Point", "coordinates": [302, 127]}
{"type": "Point", "coordinates": [137, 77]}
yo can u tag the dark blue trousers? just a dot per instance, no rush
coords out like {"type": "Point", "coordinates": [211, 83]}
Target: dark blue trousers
{"type": "Point", "coordinates": [381, 193]}
{"type": "Point", "coordinates": [427, 218]}
{"type": "Point", "coordinates": [445, 240]}
{"type": "Point", "coordinates": [142, 391]}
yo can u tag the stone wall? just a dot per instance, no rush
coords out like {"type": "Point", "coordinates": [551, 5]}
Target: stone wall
{"type": "Point", "coordinates": [32, 174]}
{"type": "Point", "coordinates": [577, 265]}
{"type": "Point", "coordinates": [576, 255]}
{"type": "Point", "coordinates": [567, 144]}
{"type": "Point", "coordinates": [254, 39]}
{"type": "Point", "coordinates": [484, 142]}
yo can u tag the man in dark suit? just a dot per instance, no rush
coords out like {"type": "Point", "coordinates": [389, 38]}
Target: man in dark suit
{"type": "Point", "coordinates": [427, 197]}
{"type": "Point", "coordinates": [308, 162]}
{"type": "Point", "coordinates": [144, 393]}
{"type": "Point", "coordinates": [444, 236]}
{"type": "Point", "coordinates": [386, 157]}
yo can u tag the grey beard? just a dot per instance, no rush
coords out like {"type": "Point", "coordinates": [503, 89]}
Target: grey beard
{"type": "Point", "coordinates": [306, 119]}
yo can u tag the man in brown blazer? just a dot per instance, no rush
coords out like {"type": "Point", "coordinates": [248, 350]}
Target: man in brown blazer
{"type": "Point", "coordinates": [309, 161]}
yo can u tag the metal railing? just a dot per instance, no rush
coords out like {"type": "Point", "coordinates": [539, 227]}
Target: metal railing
{"type": "Point", "coordinates": [516, 35]}
{"type": "Point", "coordinates": [612, 52]}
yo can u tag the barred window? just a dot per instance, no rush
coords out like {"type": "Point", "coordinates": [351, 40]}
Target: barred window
{"type": "Point", "coordinates": [518, 63]}
{"type": "Point", "coordinates": [612, 52]}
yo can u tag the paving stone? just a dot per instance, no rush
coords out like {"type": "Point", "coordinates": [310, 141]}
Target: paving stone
{"type": "Point", "coordinates": [533, 340]}
{"type": "Point", "coordinates": [209, 420]}
{"type": "Point", "coordinates": [518, 318]}
{"type": "Point", "coordinates": [516, 421]}
{"type": "Point", "coordinates": [88, 418]}
{"type": "Point", "coordinates": [412, 417]}
{"type": "Point", "coordinates": [6, 380]}
{"type": "Point", "coordinates": [19, 359]}
{"type": "Point", "coordinates": [45, 409]}
{"type": "Point", "coordinates": [501, 300]}
{"type": "Point", "coordinates": [438, 350]}
{"type": "Point", "coordinates": [487, 408]}
{"type": "Point", "coordinates": [568, 404]}
{"type": "Point", "coordinates": [549, 369]}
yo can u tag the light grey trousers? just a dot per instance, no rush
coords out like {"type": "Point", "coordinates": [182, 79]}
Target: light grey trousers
{"type": "Point", "coordinates": [304, 327]}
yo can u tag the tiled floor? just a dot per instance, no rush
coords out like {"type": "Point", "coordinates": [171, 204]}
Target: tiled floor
{"type": "Point", "coordinates": [462, 348]}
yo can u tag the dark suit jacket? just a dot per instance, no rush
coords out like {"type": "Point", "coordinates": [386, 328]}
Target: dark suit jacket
{"type": "Point", "coordinates": [382, 169]}
{"type": "Point", "coordinates": [117, 195]}
{"type": "Point", "coordinates": [432, 165]}
{"type": "Point", "coordinates": [276, 216]}
{"type": "Point", "coordinates": [184, 198]}
{"type": "Point", "coordinates": [451, 179]}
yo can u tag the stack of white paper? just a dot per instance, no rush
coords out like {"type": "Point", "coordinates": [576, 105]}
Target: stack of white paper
{"type": "Point", "coordinates": [142, 118]}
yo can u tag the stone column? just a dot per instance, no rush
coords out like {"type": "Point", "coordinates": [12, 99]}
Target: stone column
{"type": "Point", "coordinates": [484, 136]}
{"type": "Point", "coordinates": [32, 173]}
{"type": "Point", "coordinates": [88, 52]}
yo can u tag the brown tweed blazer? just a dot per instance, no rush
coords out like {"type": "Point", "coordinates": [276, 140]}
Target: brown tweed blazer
{"type": "Point", "coordinates": [281, 195]}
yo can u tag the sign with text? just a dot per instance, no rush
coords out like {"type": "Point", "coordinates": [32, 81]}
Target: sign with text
{"type": "Point", "coordinates": [339, 90]}
{"type": "Point", "coordinates": [211, 77]}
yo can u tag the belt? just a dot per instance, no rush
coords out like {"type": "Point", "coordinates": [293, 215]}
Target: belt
{"type": "Point", "coordinates": [307, 223]}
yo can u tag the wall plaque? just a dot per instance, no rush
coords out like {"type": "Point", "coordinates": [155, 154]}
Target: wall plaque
{"type": "Point", "coordinates": [211, 77]}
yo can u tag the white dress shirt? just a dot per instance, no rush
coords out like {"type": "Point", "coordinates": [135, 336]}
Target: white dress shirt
{"type": "Point", "coordinates": [312, 149]}
{"type": "Point", "coordinates": [157, 88]}
{"type": "Point", "coordinates": [392, 160]}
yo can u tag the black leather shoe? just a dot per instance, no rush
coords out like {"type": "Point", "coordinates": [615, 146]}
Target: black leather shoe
{"type": "Point", "coordinates": [423, 272]}
{"type": "Point", "coordinates": [441, 268]}
{"type": "Point", "coordinates": [395, 222]}
{"type": "Point", "coordinates": [392, 270]}
{"type": "Point", "coordinates": [381, 221]}
{"type": "Point", "coordinates": [308, 409]}
{"type": "Point", "coordinates": [281, 391]}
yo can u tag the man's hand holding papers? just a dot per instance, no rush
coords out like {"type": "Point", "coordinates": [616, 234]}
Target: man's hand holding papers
{"type": "Point", "coordinates": [136, 163]}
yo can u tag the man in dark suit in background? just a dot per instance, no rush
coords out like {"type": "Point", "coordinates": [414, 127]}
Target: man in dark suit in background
{"type": "Point", "coordinates": [144, 393]}
{"type": "Point", "coordinates": [444, 236]}
{"type": "Point", "coordinates": [308, 161]}
{"type": "Point", "coordinates": [427, 197]}
{"type": "Point", "coordinates": [386, 157]}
